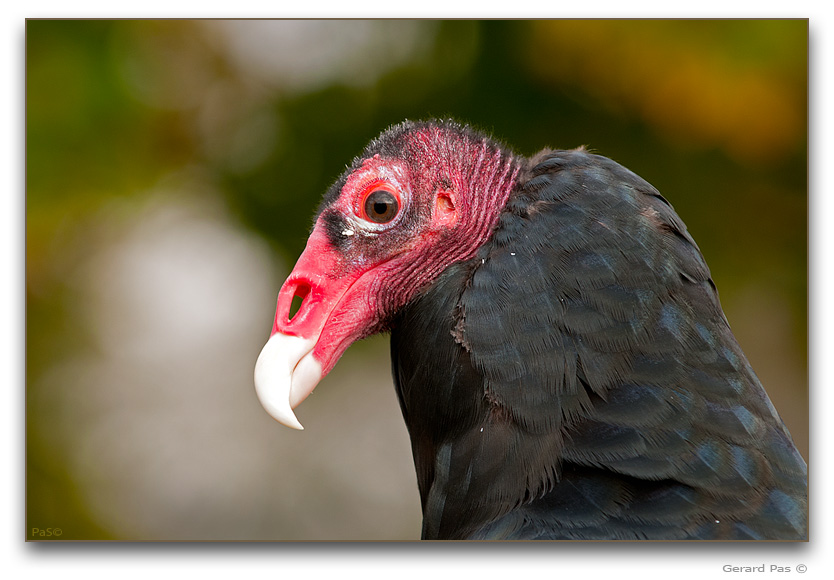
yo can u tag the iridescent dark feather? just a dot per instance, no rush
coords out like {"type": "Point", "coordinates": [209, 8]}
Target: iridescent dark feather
{"type": "Point", "coordinates": [577, 379]}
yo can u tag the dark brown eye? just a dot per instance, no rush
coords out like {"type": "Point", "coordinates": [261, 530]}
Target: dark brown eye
{"type": "Point", "coordinates": [381, 206]}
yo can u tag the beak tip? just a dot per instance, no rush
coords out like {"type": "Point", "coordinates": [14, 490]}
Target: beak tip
{"type": "Point", "coordinates": [289, 420]}
{"type": "Point", "coordinates": [278, 408]}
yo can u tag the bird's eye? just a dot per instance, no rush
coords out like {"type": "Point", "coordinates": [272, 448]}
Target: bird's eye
{"type": "Point", "coordinates": [381, 206]}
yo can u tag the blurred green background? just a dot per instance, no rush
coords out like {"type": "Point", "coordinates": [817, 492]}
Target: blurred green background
{"type": "Point", "coordinates": [172, 171]}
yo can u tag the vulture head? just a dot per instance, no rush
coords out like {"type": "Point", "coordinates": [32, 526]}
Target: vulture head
{"type": "Point", "coordinates": [420, 198]}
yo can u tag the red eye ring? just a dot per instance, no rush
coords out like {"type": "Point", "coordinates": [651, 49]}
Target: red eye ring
{"type": "Point", "coordinates": [380, 204]}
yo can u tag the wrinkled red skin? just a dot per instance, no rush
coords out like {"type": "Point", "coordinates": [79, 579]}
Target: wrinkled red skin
{"type": "Point", "coordinates": [445, 214]}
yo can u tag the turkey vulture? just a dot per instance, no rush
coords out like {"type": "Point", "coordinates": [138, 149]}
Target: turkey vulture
{"type": "Point", "coordinates": [561, 359]}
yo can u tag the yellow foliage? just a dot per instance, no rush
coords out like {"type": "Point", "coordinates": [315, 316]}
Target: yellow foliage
{"type": "Point", "coordinates": [692, 88]}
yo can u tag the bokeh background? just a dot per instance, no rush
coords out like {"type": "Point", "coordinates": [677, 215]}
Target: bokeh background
{"type": "Point", "coordinates": [172, 171]}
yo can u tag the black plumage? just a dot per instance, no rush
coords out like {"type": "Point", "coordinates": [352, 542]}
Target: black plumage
{"type": "Point", "coordinates": [577, 379]}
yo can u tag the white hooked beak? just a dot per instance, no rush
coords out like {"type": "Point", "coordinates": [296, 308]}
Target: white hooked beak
{"type": "Point", "coordinates": [285, 374]}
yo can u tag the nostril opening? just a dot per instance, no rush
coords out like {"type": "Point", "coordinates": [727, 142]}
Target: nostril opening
{"type": "Point", "coordinates": [301, 292]}
{"type": "Point", "coordinates": [296, 304]}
